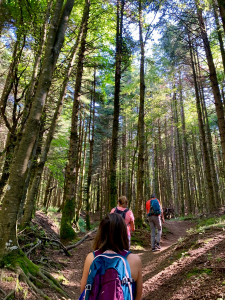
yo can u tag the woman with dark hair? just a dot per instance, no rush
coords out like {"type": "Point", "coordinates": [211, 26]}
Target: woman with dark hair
{"type": "Point", "coordinates": [112, 238]}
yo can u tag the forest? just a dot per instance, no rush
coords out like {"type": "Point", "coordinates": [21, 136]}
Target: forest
{"type": "Point", "coordinates": [106, 98]}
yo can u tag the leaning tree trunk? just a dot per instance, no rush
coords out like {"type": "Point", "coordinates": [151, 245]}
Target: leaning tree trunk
{"type": "Point", "coordinates": [33, 191]}
{"type": "Point", "coordinates": [37, 63]}
{"type": "Point", "coordinates": [13, 135]}
{"type": "Point", "coordinates": [12, 198]}
{"type": "Point", "coordinates": [141, 132]}
{"type": "Point", "coordinates": [214, 81]}
{"type": "Point", "coordinates": [68, 213]}
{"type": "Point", "coordinates": [114, 150]}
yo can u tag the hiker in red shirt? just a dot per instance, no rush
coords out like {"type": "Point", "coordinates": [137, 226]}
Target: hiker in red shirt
{"type": "Point", "coordinates": [155, 214]}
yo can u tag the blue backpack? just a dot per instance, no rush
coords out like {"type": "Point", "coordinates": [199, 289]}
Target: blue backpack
{"type": "Point", "coordinates": [109, 277]}
{"type": "Point", "coordinates": [155, 209]}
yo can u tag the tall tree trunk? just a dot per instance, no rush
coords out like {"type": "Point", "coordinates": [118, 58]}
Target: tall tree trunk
{"type": "Point", "coordinates": [214, 81]}
{"type": "Point", "coordinates": [91, 142]}
{"type": "Point", "coordinates": [32, 194]}
{"type": "Point", "coordinates": [68, 213]}
{"type": "Point", "coordinates": [37, 63]}
{"type": "Point", "coordinates": [141, 131]}
{"type": "Point", "coordinates": [82, 175]}
{"type": "Point", "coordinates": [185, 151]}
{"type": "Point", "coordinates": [220, 37]}
{"type": "Point", "coordinates": [221, 5]}
{"type": "Point", "coordinates": [114, 150]}
{"type": "Point", "coordinates": [12, 198]}
{"type": "Point", "coordinates": [211, 199]}
{"type": "Point", "coordinates": [179, 158]}
{"type": "Point", "coordinates": [124, 158]}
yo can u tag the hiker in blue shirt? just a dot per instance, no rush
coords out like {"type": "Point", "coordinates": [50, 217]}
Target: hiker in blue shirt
{"type": "Point", "coordinates": [109, 245]}
{"type": "Point", "coordinates": [155, 214]}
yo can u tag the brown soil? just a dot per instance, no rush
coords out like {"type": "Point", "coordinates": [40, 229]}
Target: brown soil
{"type": "Point", "coordinates": [190, 268]}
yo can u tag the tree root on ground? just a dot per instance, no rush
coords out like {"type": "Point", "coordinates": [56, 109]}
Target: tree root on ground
{"type": "Point", "coordinates": [52, 282]}
{"type": "Point", "coordinates": [34, 276]}
{"type": "Point", "coordinates": [11, 294]}
{"type": "Point", "coordinates": [1, 291]}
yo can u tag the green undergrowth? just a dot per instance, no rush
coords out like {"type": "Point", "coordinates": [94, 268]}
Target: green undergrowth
{"type": "Point", "coordinates": [197, 272]}
{"type": "Point", "coordinates": [206, 224]}
{"type": "Point", "coordinates": [185, 218]}
{"type": "Point", "coordinates": [140, 237]}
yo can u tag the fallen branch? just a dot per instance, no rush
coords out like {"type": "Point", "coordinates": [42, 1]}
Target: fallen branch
{"type": "Point", "coordinates": [83, 239]}
{"type": "Point", "coordinates": [58, 242]}
{"type": "Point", "coordinates": [35, 246]}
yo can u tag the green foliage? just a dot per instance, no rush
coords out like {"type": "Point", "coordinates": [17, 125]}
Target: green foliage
{"type": "Point", "coordinates": [210, 223]}
{"type": "Point", "coordinates": [197, 272]}
{"type": "Point", "coordinates": [82, 225]}
{"type": "Point", "coordinates": [53, 209]}
{"type": "Point", "coordinates": [8, 279]}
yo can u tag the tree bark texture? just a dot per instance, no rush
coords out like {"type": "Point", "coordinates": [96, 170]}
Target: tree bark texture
{"type": "Point", "coordinates": [12, 198]}
{"type": "Point", "coordinates": [114, 150]}
{"type": "Point", "coordinates": [91, 142]}
{"type": "Point", "coordinates": [211, 199]}
{"type": "Point", "coordinates": [141, 131]}
{"type": "Point", "coordinates": [214, 81]}
{"type": "Point", "coordinates": [68, 213]}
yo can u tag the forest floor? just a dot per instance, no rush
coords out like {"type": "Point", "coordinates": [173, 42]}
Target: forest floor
{"type": "Point", "coordinates": [189, 266]}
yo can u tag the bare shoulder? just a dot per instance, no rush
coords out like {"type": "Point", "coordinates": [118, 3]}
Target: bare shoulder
{"type": "Point", "coordinates": [90, 257]}
{"type": "Point", "coordinates": [134, 258]}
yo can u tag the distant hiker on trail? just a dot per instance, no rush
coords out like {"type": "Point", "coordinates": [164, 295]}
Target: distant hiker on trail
{"type": "Point", "coordinates": [155, 213]}
{"type": "Point", "coordinates": [111, 271]}
{"type": "Point", "coordinates": [126, 213]}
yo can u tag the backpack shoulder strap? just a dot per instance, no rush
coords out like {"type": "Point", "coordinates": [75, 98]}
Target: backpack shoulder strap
{"type": "Point", "coordinates": [125, 253]}
{"type": "Point", "coordinates": [97, 252]}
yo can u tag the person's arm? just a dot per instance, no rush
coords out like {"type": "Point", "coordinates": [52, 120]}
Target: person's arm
{"type": "Point", "coordinates": [139, 280]}
{"type": "Point", "coordinates": [132, 226]}
{"type": "Point", "coordinates": [162, 214]}
{"type": "Point", "coordinates": [87, 264]}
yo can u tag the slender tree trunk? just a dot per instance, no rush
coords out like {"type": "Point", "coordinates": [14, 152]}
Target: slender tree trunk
{"type": "Point", "coordinates": [169, 198]}
{"type": "Point", "coordinates": [221, 5]}
{"type": "Point", "coordinates": [68, 213]}
{"type": "Point", "coordinates": [211, 199]}
{"type": "Point", "coordinates": [185, 152]}
{"type": "Point", "coordinates": [12, 198]}
{"type": "Point", "coordinates": [141, 132]}
{"type": "Point", "coordinates": [124, 158]}
{"type": "Point", "coordinates": [91, 142]}
{"type": "Point", "coordinates": [220, 37]}
{"type": "Point", "coordinates": [82, 176]}
{"type": "Point", "coordinates": [179, 158]}
{"type": "Point", "coordinates": [114, 150]}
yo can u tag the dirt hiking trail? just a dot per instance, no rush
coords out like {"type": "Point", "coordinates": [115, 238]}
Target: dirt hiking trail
{"type": "Point", "coordinates": [187, 267]}
{"type": "Point", "coordinates": [152, 262]}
